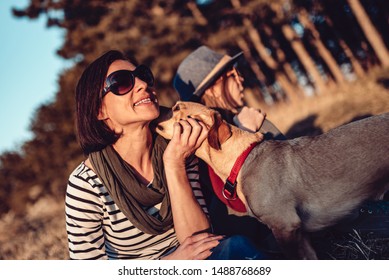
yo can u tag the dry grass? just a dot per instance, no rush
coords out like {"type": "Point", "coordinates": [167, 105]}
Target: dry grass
{"type": "Point", "coordinates": [351, 245]}
{"type": "Point", "coordinates": [364, 97]}
{"type": "Point", "coordinates": [358, 246]}
{"type": "Point", "coordinates": [40, 234]}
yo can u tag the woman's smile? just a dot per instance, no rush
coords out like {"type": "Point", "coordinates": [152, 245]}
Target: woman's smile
{"type": "Point", "coordinates": [144, 101]}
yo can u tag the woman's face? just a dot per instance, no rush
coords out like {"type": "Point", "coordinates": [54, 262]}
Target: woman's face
{"type": "Point", "coordinates": [138, 106]}
{"type": "Point", "coordinates": [234, 87]}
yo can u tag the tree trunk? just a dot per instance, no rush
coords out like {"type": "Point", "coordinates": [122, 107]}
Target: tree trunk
{"type": "Point", "coordinates": [305, 58]}
{"type": "Point", "coordinates": [357, 67]}
{"type": "Point", "coordinates": [249, 58]}
{"type": "Point", "coordinates": [281, 57]}
{"type": "Point", "coordinates": [255, 38]}
{"type": "Point", "coordinates": [253, 65]}
{"type": "Point", "coordinates": [198, 16]}
{"type": "Point", "coordinates": [299, 48]}
{"type": "Point", "coordinates": [370, 32]}
{"type": "Point", "coordinates": [321, 48]}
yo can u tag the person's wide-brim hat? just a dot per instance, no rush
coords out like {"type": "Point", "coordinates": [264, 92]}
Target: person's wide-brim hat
{"type": "Point", "coordinates": [199, 70]}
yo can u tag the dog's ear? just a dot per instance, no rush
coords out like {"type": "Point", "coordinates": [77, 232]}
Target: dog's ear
{"type": "Point", "coordinates": [219, 132]}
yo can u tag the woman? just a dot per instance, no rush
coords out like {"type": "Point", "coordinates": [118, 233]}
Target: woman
{"type": "Point", "coordinates": [136, 196]}
{"type": "Point", "coordinates": [210, 78]}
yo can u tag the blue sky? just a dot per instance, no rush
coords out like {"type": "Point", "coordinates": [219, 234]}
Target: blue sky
{"type": "Point", "coordinates": [28, 74]}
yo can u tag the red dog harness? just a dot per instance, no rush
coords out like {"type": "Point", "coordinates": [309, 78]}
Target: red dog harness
{"type": "Point", "coordinates": [226, 192]}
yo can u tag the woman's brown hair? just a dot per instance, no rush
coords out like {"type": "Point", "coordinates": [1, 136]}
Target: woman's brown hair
{"type": "Point", "coordinates": [94, 134]}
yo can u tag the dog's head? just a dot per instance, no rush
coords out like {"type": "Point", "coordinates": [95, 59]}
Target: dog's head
{"type": "Point", "coordinates": [219, 130]}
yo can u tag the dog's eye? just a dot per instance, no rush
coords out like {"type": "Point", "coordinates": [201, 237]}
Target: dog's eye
{"type": "Point", "coordinates": [176, 108]}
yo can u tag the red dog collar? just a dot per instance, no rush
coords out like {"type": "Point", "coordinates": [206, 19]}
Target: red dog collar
{"type": "Point", "coordinates": [226, 192]}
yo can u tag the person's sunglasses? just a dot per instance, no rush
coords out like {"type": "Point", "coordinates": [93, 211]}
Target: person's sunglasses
{"type": "Point", "coordinates": [122, 81]}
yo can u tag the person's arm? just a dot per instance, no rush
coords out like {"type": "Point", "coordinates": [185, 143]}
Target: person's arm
{"type": "Point", "coordinates": [193, 173]}
{"type": "Point", "coordinates": [188, 216]}
{"type": "Point", "coordinates": [83, 211]}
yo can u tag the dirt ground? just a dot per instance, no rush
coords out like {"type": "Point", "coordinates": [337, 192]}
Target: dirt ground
{"type": "Point", "coordinates": [41, 234]}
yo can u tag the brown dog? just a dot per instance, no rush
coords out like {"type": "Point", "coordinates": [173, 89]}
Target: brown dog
{"type": "Point", "coordinates": [296, 186]}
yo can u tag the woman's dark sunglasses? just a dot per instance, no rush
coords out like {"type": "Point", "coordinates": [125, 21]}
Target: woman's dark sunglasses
{"type": "Point", "coordinates": [122, 81]}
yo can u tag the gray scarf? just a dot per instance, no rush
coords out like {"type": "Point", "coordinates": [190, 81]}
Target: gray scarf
{"type": "Point", "coordinates": [129, 194]}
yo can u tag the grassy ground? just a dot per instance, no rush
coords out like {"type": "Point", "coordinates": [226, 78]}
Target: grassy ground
{"type": "Point", "coordinates": [40, 234]}
{"type": "Point", "coordinates": [314, 115]}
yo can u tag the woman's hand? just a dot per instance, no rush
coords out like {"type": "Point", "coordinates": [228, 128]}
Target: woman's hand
{"type": "Point", "coordinates": [196, 247]}
{"type": "Point", "coordinates": [249, 119]}
{"type": "Point", "coordinates": [187, 137]}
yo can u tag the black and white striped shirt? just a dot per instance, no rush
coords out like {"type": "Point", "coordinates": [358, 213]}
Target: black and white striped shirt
{"type": "Point", "coordinates": [97, 229]}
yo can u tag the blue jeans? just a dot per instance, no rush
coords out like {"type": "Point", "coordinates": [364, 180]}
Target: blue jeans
{"type": "Point", "coordinates": [236, 247]}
